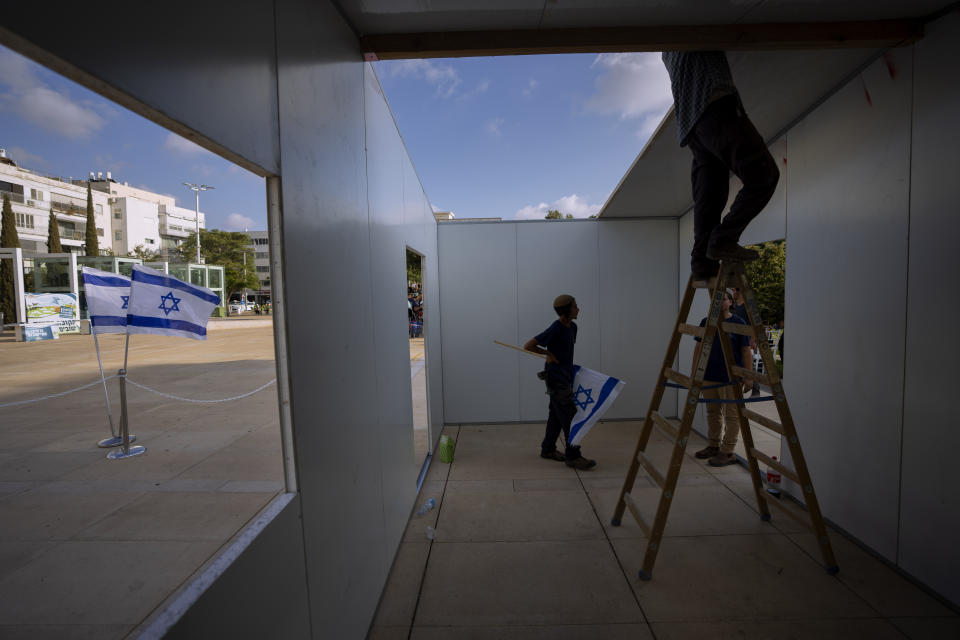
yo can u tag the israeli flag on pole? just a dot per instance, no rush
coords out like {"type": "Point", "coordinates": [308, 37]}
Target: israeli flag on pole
{"type": "Point", "coordinates": [593, 393]}
{"type": "Point", "coordinates": [107, 296]}
{"type": "Point", "coordinates": [167, 306]}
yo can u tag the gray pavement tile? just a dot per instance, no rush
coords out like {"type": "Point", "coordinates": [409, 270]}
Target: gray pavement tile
{"type": "Point", "coordinates": [525, 583]}
{"type": "Point", "coordinates": [43, 466]}
{"type": "Point", "coordinates": [543, 632]}
{"type": "Point", "coordinates": [841, 629]}
{"type": "Point", "coordinates": [49, 515]}
{"type": "Point", "coordinates": [65, 631]}
{"type": "Point", "coordinates": [399, 599]}
{"type": "Point", "coordinates": [179, 516]}
{"type": "Point", "coordinates": [98, 583]}
{"type": "Point", "coordinates": [929, 628]}
{"type": "Point", "coordinates": [886, 590]}
{"type": "Point", "coordinates": [765, 577]}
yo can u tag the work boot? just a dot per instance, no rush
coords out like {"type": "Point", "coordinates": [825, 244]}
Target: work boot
{"type": "Point", "coordinates": [707, 452]}
{"type": "Point", "coordinates": [731, 251]}
{"type": "Point", "coordinates": [722, 460]}
{"type": "Point", "coordinates": [581, 463]}
{"type": "Point", "coordinates": [552, 455]}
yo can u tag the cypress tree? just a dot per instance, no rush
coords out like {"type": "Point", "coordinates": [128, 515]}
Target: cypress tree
{"type": "Point", "coordinates": [53, 235]}
{"type": "Point", "coordinates": [8, 239]}
{"type": "Point", "coordinates": [92, 243]}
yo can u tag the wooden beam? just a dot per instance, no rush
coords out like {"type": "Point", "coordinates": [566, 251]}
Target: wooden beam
{"type": "Point", "coordinates": [730, 37]}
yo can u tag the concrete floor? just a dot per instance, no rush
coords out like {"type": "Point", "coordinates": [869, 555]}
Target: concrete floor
{"type": "Point", "coordinates": [90, 547]}
{"type": "Point", "coordinates": [524, 550]}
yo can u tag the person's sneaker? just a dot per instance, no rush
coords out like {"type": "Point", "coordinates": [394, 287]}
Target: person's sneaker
{"type": "Point", "coordinates": [553, 455]}
{"type": "Point", "coordinates": [732, 251]}
{"type": "Point", "coordinates": [581, 463]}
{"type": "Point", "coordinates": [707, 452]}
{"type": "Point", "coordinates": [722, 460]}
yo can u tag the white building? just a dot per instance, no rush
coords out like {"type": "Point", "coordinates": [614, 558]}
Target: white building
{"type": "Point", "coordinates": [260, 243]}
{"type": "Point", "coordinates": [126, 217]}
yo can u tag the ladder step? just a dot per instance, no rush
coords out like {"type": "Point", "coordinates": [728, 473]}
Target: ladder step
{"type": "Point", "coordinates": [753, 375]}
{"type": "Point", "coordinates": [635, 512]}
{"type": "Point", "coordinates": [692, 330]}
{"type": "Point", "coordinates": [705, 284]}
{"type": "Point", "coordinates": [770, 462]}
{"type": "Point", "coordinates": [764, 420]}
{"type": "Point", "coordinates": [664, 425]}
{"type": "Point", "coordinates": [741, 329]}
{"type": "Point", "coordinates": [679, 378]}
{"type": "Point", "coordinates": [778, 503]}
{"type": "Point", "coordinates": [652, 470]}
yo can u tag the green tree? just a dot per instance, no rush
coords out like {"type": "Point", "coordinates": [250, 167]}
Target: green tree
{"type": "Point", "coordinates": [92, 242]}
{"type": "Point", "coordinates": [53, 234]}
{"type": "Point", "coordinates": [413, 267]}
{"type": "Point", "coordinates": [767, 279]}
{"type": "Point", "coordinates": [8, 239]}
{"type": "Point", "coordinates": [139, 251]}
{"type": "Point", "coordinates": [225, 248]}
{"type": "Point", "coordinates": [554, 214]}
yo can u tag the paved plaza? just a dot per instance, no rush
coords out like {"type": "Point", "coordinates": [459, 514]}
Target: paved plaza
{"type": "Point", "coordinates": [90, 547]}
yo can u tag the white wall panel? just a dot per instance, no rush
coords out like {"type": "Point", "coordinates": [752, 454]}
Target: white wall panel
{"type": "Point", "coordinates": [771, 224]}
{"type": "Point", "coordinates": [392, 397]}
{"type": "Point", "coordinates": [846, 282]}
{"type": "Point", "coordinates": [555, 257]}
{"type": "Point", "coordinates": [478, 287]}
{"type": "Point", "coordinates": [930, 501]}
{"type": "Point", "coordinates": [638, 303]}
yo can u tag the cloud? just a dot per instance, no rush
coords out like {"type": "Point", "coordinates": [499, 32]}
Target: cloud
{"type": "Point", "coordinates": [50, 109]}
{"type": "Point", "coordinates": [24, 158]}
{"type": "Point", "coordinates": [175, 143]}
{"type": "Point", "coordinates": [493, 126]}
{"type": "Point", "coordinates": [528, 90]}
{"type": "Point", "coordinates": [481, 87]}
{"type": "Point", "coordinates": [572, 204]}
{"type": "Point", "coordinates": [631, 86]}
{"type": "Point", "coordinates": [238, 222]}
{"type": "Point", "coordinates": [441, 76]}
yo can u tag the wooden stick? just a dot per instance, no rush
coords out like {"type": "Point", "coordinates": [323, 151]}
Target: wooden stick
{"type": "Point", "coordinates": [529, 353]}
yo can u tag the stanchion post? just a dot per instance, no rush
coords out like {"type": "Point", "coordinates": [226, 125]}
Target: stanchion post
{"type": "Point", "coordinates": [114, 440]}
{"type": "Point", "coordinates": [126, 451]}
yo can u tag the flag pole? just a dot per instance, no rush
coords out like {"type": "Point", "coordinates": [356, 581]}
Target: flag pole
{"type": "Point", "coordinates": [125, 451]}
{"type": "Point", "coordinates": [531, 353]}
{"type": "Point", "coordinates": [114, 440]}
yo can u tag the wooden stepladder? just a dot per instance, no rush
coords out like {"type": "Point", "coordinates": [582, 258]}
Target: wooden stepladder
{"type": "Point", "coordinates": [731, 274]}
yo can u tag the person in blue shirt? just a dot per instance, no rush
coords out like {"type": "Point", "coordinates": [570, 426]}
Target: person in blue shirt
{"type": "Point", "coordinates": [719, 452]}
{"type": "Point", "coordinates": [556, 343]}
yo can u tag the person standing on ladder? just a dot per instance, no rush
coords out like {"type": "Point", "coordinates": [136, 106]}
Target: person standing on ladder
{"type": "Point", "coordinates": [719, 453]}
{"type": "Point", "coordinates": [712, 122]}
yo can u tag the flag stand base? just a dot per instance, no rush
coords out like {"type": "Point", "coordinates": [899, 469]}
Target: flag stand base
{"type": "Point", "coordinates": [115, 441]}
{"type": "Point", "coordinates": [126, 452]}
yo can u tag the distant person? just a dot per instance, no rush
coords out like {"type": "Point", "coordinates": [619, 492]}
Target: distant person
{"type": "Point", "coordinates": [556, 343]}
{"type": "Point", "coordinates": [719, 452]}
{"type": "Point", "coordinates": [739, 309]}
{"type": "Point", "coordinates": [712, 122]}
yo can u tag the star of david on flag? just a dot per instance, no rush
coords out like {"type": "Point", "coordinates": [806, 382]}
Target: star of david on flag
{"type": "Point", "coordinates": [107, 295]}
{"type": "Point", "coordinates": [594, 392]}
{"type": "Point", "coordinates": [164, 305]}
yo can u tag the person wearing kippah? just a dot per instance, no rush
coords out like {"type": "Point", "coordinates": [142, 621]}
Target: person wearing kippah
{"type": "Point", "coordinates": [556, 343]}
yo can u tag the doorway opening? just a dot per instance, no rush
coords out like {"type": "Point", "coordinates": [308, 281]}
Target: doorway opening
{"type": "Point", "coordinates": [417, 329]}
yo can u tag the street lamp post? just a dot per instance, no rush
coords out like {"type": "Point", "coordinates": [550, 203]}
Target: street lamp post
{"type": "Point", "coordinates": [197, 188]}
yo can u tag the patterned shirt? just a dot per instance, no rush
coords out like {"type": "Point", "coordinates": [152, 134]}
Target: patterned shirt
{"type": "Point", "coordinates": [697, 78]}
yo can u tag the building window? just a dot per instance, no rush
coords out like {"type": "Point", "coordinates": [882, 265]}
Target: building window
{"type": "Point", "coordinates": [99, 232]}
{"type": "Point", "coordinates": [261, 240]}
{"type": "Point", "coordinates": [263, 269]}
{"type": "Point", "coordinates": [36, 195]}
{"type": "Point", "coordinates": [117, 214]}
{"type": "Point", "coordinates": [263, 255]}
{"type": "Point", "coordinates": [25, 221]}
{"type": "Point", "coordinates": [99, 209]}
{"type": "Point", "coordinates": [148, 240]}
{"type": "Point", "coordinates": [118, 235]}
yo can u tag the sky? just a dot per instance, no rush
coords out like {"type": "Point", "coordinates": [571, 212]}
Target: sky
{"type": "Point", "coordinates": [505, 137]}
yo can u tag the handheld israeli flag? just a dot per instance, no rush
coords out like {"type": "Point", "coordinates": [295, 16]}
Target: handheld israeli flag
{"type": "Point", "coordinates": [107, 297]}
{"type": "Point", "coordinates": [593, 393]}
{"type": "Point", "coordinates": [164, 305]}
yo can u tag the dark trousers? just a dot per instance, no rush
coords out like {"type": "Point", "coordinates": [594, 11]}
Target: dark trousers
{"type": "Point", "coordinates": [725, 140]}
{"type": "Point", "coordinates": [562, 410]}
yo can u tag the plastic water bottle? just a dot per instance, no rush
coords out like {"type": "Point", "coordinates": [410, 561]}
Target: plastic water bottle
{"type": "Point", "coordinates": [773, 481]}
{"type": "Point", "coordinates": [426, 506]}
{"type": "Point", "coordinates": [431, 533]}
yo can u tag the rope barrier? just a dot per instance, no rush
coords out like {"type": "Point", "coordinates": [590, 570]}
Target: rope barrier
{"type": "Point", "coordinates": [144, 387]}
{"type": "Point", "coordinates": [173, 397]}
{"type": "Point", "coordinates": [54, 395]}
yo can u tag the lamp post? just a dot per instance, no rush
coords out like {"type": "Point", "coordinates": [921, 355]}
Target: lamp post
{"type": "Point", "coordinates": [197, 188]}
